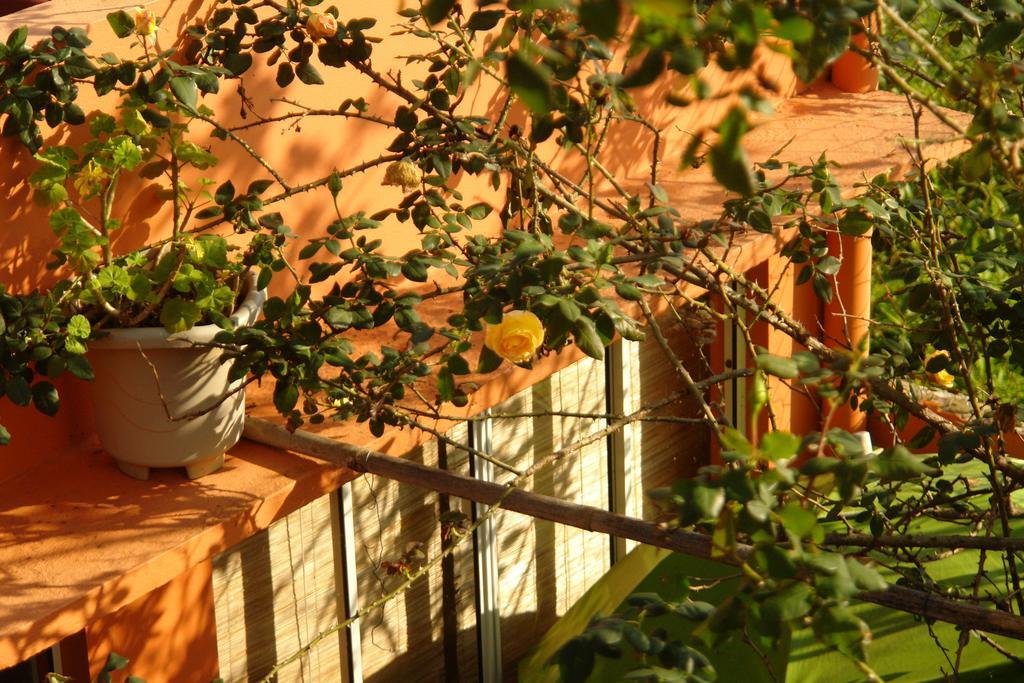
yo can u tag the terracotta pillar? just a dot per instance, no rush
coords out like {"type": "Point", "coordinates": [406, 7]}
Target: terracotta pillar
{"type": "Point", "coordinates": [846, 316]}
{"type": "Point", "coordinates": [794, 411]}
{"type": "Point", "coordinates": [852, 72]}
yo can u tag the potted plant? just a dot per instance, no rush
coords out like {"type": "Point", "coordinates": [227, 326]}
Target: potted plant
{"type": "Point", "coordinates": [141, 323]}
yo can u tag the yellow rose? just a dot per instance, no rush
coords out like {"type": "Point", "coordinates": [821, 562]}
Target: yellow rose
{"type": "Point", "coordinates": [942, 377]}
{"type": "Point", "coordinates": [145, 21]}
{"type": "Point", "coordinates": [404, 174]}
{"type": "Point", "coordinates": [517, 337]}
{"type": "Point", "coordinates": [321, 25]}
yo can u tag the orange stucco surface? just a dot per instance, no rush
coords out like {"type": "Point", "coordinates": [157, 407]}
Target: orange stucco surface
{"type": "Point", "coordinates": [79, 541]}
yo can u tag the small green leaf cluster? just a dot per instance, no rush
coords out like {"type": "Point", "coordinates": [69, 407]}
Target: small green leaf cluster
{"type": "Point", "coordinates": [662, 658]}
{"type": "Point", "coordinates": [38, 343]}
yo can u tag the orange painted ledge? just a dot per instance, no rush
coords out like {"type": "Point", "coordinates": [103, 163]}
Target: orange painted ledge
{"type": "Point", "coordinates": [79, 540]}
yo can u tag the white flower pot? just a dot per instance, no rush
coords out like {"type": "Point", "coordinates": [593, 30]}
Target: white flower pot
{"type": "Point", "coordinates": [142, 374]}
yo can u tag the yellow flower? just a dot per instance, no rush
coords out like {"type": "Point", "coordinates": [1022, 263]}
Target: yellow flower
{"type": "Point", "coordinates": [145, 22]}
{"type": "Point", "coordinates": [321, 25]}
{"type": "Point", "coordinates": [517, 337]}
{"type": "Point", "coordinates": [403, 173]}
{"type": "Point", "coordinates": [942, 377]}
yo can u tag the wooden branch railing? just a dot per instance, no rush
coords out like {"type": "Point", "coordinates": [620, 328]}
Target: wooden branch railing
{"type": "Point", "coordinates": [596, 519]}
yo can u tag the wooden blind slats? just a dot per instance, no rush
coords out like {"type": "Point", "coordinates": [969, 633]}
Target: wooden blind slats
{"type": "Point", "coordinates": [663, 452]}
{"type": "Point", "coordinates": [543, 567]}
{"type": "Point", "coordinates": [403, 641]}
{"type": "Point", "coordinates": [281, 587]}
{"type": "Point", "coordinates": [274, 592]}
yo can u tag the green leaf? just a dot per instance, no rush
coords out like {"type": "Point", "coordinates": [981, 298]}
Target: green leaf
{"type": "Point", "coordinates": [225, 193]}
{"type": "Point", "coordinates": [17, 39]}
{"type": "Point", "coordinates": [576, 660]}
{"type": "Point", "coordinates": [795, 29]}
{"type": "Point", "coordinates": [829, 265]}
{"type": "Point", "coordinates": [115, 662]}
{"type": "Point", "coordinates": [637, 639]}
{"type": "Point", "coordinates": [237, 62]}
{"type": "Point", "coordinates": [778, 562]}
{"type": "Point", "coordinates": [954, 7]}
{"type": "Point", "coordinates": [899, 464]}
{"type": "Point", "coordinates": [587, 338]}
{"type": "Point", "coordinates": [798, 521]}
{"type": "Point", "coordinates": [601, 17]}
{"type": "Point", "coordinates": [813, 467]}
{"type": "Point", "coordinates": [701, 502]}
{"type": "Point", "coordinates": [445, 385]}
{"type": "Point", "coordinates": [45, 398]}
{"type": "Point", "coordinates": [790, 603]}
{"type": "Point", "coordinates": [178, 315]}
{"type": "Point", "coordinates": [840, 628]}
{"type": "Point", "coordinates": [155, 118]}
{"type": "Point", "coordinates": [651, 66]}
{"type": "Point", "coordinates": [479, 211]}
{"type": "Point", "coordinates": [734, 440]}
{"type": "Point", "coordinates": [485, 20]}
{"type": "Point", "coordinates": [1000, 36]}
{"type": "Point", "coordinates": [777, 365]}
{"type": "Point", "coordinates": [436, 10]}
{"type": "Point", "coordinates": [285, 75]}
{"type": "Point", "coordinates": [729, 163]}
{"type": "Point", "coordinates": [80, 367]}
{"type": "Point", "coordinates": [184, 88]}
{"type": "Point", "coordinates": [79, 327]}
{"type": "Point", "coordinates": [867, 578]}
{"type": "Point", "coordinates": [122, 23]}
{"type": "Point", "coordinates": [73, 114]}
{"type": "Point", "coordinates": [286, 395]}
{"type": "Point", "coordinates": [855, 222]}
{"type": "Point", "coordinates": [5, 436]}
{"type": "Point", "coordinates": [694, 610]}
{"type": "Point", "coordinates": [18, 391]}
{"type": "Point", "coordinates": [779, 445]}
{"type": "Point", "coordinates": [126, 154]}
{"type": "Point", "coordinates": [308, 74]}
{"type": "Point", "coordinates": [489, 361]}
{"type": "Point", "coordinates": [530, 82]}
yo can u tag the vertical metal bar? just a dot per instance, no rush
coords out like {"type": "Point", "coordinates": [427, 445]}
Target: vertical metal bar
{"type": "Point", "coordinates": [619, 446]}
{"type": "Point", "coordinates": [485, 562]}
{"type": "Point", "coordinates": [449, 599]}
{"type": "Point", "coordinates": [345, 558]}
{"type": "Point", "coordinates": [736, 388]}
{"type": "Point", "coordinates": [57, 660]}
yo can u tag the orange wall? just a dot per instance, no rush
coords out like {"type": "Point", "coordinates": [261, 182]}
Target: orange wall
{"type": "Point", "coordinates": [169, 635]}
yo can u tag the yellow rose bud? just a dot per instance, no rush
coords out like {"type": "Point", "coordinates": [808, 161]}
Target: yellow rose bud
{"type": "Point", "coordinates": [405, 174]}
{"type": "Point", "coordinates": [942, 377]}
{"type": "Point", "coordinates": [517, 337]}
{"type": "Point", "coordinates": [145, 21]}
{"type": "Point", "coordinates": [321, 25]}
